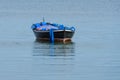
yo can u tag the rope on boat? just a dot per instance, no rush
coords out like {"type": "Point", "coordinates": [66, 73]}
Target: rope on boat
{"type": "Point", "coordinates": [51, 32]}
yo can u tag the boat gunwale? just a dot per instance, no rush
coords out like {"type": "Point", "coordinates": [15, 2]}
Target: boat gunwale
{"type": "Point", "coordinates": [54, 30]}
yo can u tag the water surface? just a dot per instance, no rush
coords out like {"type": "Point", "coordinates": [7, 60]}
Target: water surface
{"type": "Point", "coordinates": [93, 53]}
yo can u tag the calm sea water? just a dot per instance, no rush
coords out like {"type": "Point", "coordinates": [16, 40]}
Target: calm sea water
{"type": "Point", "coordinates": [93, 54]}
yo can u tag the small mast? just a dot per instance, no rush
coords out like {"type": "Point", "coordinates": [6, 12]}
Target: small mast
{"type": "Point", "coordinates": [43, 19]}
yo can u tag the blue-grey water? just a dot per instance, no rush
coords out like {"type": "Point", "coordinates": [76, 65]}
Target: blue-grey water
{"type": "Point", "coordinates": [93, 54]}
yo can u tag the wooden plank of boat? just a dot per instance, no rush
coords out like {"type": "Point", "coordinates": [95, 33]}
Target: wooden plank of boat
{"type": "Point", "coordinates": [56, 39]}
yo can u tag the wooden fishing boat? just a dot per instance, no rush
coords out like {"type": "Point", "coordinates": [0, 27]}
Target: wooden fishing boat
{"type": "Point", "coordinates": [45, 31]}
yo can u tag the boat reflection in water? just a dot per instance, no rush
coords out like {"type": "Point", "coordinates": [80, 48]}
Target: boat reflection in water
{"type": "Point", "coordinates": [53, 49]}
{"type": "Point", "coordinates": [53, 60]}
